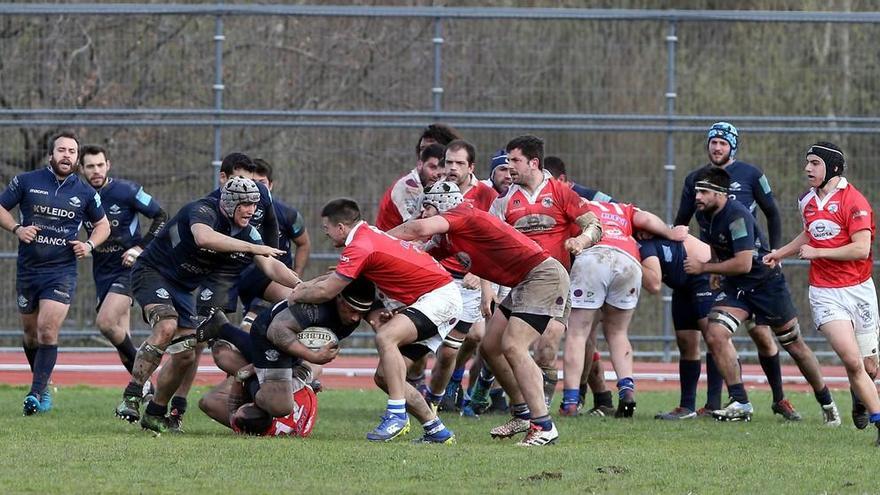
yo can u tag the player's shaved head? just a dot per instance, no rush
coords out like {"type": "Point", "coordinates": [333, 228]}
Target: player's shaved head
{"type": "Point", "coordinates": [342, 210]}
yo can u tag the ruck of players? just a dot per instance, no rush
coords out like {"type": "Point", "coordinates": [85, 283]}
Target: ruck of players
{"type": "Point", "coordinates": [460, 279]}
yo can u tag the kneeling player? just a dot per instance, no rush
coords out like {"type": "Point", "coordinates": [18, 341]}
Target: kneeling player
{"type": "Point", "coordinates": [278, 356]}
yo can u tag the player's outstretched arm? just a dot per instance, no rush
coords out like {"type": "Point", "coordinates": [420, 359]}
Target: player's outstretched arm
{"type": "Point", "coordinates": [277, 271]}
{"type": "Point", "coordinates": [591, 233]}
{"type": "Point", "coordinates": [649, 222]}
{"type": "Point", "coordinates": [208, 238]}
{"type": "Point", "coordinates": [420, 229]}
{"type": "Point", "coordinates": [319, 289]}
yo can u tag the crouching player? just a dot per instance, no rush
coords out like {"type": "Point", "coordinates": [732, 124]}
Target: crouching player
{"type": "Point", "coordinates": [267, 392]}
{"type": "Point", "coordinates": [425, 304]}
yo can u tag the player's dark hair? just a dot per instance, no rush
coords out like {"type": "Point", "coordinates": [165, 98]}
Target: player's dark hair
{"type": "Point", "coordinates": [435, 150]}
{"type": "Point", "coordinates": [714, 175]}
{"type": "Point", "coordinates": [63, 134]}
{"type": "Point", "coordinates": [93, 149]}
{"type": "Point", "coordinates": [530, 146]}
{"type": "Point", "coordinates": [234, 161]}
{"type": "Point", "coordinates": [342, 210]}
{"type": "Point", "coordinates": [554, 165]}
{"type": "Point", "coordinates": [360, 294]}
{"type": "Point", "coordinates": [263, 168]}
{"type": "Point", "coordinates": [461, 144]}
{"type": "Point", "coordinates": [441, 133]}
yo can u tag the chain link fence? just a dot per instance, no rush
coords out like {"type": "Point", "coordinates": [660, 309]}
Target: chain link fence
{"type": "Point", "coordinates": [335, 97]}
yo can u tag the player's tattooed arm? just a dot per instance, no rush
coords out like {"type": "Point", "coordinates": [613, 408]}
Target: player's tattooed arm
{"type": "Point", "coordinates": [318, 290]}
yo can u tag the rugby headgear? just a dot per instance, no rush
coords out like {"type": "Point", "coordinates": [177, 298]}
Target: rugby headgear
{"type": "Point", "coordinates": [443, 195]}
{"type": "Point", "coordinates": [499, 159]}
{"type": "Point", "coordinates": [727, 132]}
{"type": "Point", "coordinates": [359, 294]}
{"type": "Point", "coordinates": [835, 162]}
{"type": "Point", "coordinates": [236, 191]}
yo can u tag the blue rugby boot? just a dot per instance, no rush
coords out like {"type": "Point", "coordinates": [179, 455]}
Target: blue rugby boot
{"type": "Point", "coordinates": [391, 427]}
{"type": "Point", "coordinates": [31, 405]}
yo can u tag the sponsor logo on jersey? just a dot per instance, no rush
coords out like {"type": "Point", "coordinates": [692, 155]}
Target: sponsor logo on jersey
{"type": "Point", "coordinates": [161, 293]}
{"type": "Point", "coordinates": [860, 213]}
{"type": "Point", "coordinates": [534, 223]}
{"type": "Point", "coordinates": [38, 191]}
{"type": "Point", "coordinates": [464, 258]}
{"type": "Point", "coordinates": [52, 211]}
{"type": "Point", "coordinates": [74, 202]}
{"type": "Point", "coordinates": [108, 247]}
{"type": "Point", "coordinates": [51, 241]}
{"type": "Point", "coordinates": [823, 229]}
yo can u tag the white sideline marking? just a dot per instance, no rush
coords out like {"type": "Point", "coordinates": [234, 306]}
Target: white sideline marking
{"type": "Point", "coordinates": [362, 372]}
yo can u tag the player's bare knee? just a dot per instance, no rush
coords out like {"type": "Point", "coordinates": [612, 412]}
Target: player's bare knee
{"type": "Point", "coordinates": [871, 365]}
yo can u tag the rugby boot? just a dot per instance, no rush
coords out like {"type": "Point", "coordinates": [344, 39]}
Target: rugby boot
{"type": "Point", "coordinates": [209, 328]}
{"type": "Point", "coordinates": [704, 412]}
{"type": "Point", "coordinates": [439, 435]}
{"type": "Point", "coordinates": [46, 399]}
{"type": "Point", "coordinates": [626, 407]}
{"type": "Point", "coordinates": [601, 411]}
{"type": "Point", "coordinates": [570, 410]}
{"type": "Point", "coordinates": [31, 405]}
{"type": "Point", "coordinates": [860, 416]}
{"type": "Point", "coordinates": [480, 398]}
{"type": "Point", "coordinates": [512, 427]}
{"type": "Point", "coordinates": [786, 410]}
{"type": "Point", "coordinates": [677, 414]}
{"type": "Point", "coordinates": [499, 402]}
{"type": "Point", "coordinates": [450, 397]}
{"type": "Point", "coordinates": [830, 415]}
{"type": "Point", "coordinates": [129, 408]}
{"type": "Point", "coordinates": [391, 427]}
{"type": "Point", "coordinates": [175, 421]}
{"type": "Point", "coordinates": [537, 437]}
{"type": "Point", "coordinates": [155, 423]}
{"type": "Point", "coordinates": [734, 411]}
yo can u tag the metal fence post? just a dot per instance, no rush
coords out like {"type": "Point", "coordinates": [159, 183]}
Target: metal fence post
{"type": "Point", "coordinates": [671, 40]}
{"type": "Point", "coordinates": [218, 95]}
{"type": "Point", "coordinates": [437, 89]}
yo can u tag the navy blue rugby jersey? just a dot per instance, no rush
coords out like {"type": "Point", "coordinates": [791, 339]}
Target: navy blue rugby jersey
{"type": "Point", "coordinates": [123, 200]}
{"type": "Point", "coordinates": [58, 208]}
{"type": "Point", "coordinates": [174, 252]}
{"type": "Point", "coordinates": [291, 225]}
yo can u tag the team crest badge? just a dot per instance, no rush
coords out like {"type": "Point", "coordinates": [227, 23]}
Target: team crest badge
{"type": "Point", "coordinates": [75, 202]}
{"type": "Point", "coordinates": [832, 208]}
{"type": "Point", "coordinates": [114, 209]}
{"type": "Point", "coordinates": [161, 293]}
{"type": "Point", "coordinates": [22, 302]}
{"type": "Point", "coordinates": [272, 355]}
{"type": "Point", "coordinates": [206, 294]}
{"type": "Point", "coordinates": [547, 202]}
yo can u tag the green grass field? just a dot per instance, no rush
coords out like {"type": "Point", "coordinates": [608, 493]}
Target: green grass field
{"type": "Point", "coordinates": [79, 447]}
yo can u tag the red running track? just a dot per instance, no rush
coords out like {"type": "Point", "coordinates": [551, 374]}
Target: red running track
{"type": "Point", "coordinates": [103, 369]}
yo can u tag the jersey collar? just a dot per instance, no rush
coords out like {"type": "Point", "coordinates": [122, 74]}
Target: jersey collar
{"type": "Point", "coordinates": [352, 232]}
{"type": "Point", "coordinates": [533, 197]}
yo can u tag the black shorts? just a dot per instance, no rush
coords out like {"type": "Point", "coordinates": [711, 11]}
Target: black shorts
{"type": "Point", "coordinates": [119, 284]}
{"type": "Point", "coordinates": [219, 290]}
{"type": "Point", "coordinates": [150, 287]}
{"type": "Point", "coordinates": [769, 302]}
{"type": "Point", "coordinates": [692, 303]}
{"type": "Point", "coordinates": [31, 288]}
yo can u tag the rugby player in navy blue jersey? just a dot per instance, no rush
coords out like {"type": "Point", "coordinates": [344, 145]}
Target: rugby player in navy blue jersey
{"type": "Point", "coordinates": [750, 187]}
{"type": "Point", "coordinates": [53, 203]}
{"type": "Point", "coordinates": [123, 202]}
{"type": "Point", "coordinates": [204, 235]}
{"type": "Point", "coordinates": [692, 299]}
{"type": "Point", "coordinates": [220, 288]}
{"type": "Point", "coordinates": [749, 289]}
{"type": "Point", "coordinates": [292, 233]}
